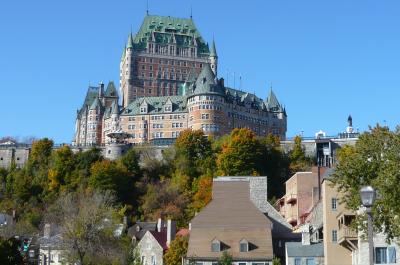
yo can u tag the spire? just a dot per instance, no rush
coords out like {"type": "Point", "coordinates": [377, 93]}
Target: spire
{"type": "Point", "coordinates": [191, 12]}
{"type": "Point", "coordinates": [147, 7]}
{"type": "Point", "coordinates": [272, 101]}
{"type": "Point", "coordinates": [123, 53]}
{"type": "Point", "coordinates": [213, 51]}
{"type": "Point", "coordinates": [114, 108]}
{"type": "Point", "coordinates": [130, 41]}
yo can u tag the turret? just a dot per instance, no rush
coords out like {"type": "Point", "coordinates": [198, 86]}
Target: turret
{"type": "Point", "coordinates": [214, 59]}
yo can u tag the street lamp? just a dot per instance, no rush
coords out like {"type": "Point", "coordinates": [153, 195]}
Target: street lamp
{"type": "Point", "coordinates": [367, 199]}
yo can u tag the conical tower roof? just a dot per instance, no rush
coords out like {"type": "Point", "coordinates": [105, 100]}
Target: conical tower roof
{"type": "Point", "coordinates": [130, 41]}
{"type": "Point", "coordinates": [111, 91]}
{"type": "Point", "coordinates": [272, 101]}
{"type": "Point", "coordinates": [213, 50]}
{"type": "Point", "coordinates": [114, 108]}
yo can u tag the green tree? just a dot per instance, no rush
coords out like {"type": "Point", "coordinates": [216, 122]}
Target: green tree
{"type": "Point", "coordinates": [9, 253]}
{"type": "Point", "coordinates": [298, 159]}
{"type": "Point", "coordinates": [225, 259]}
{"type": "Point", "coordinates": [240, 154]}
{"type": "Point", "coordinates": [276, 261]}
{"type": "Point", "coordinates": [375, 161]}
{"type": "Point", "coordinates": [130, 160]}
{"type": "Point", "coordinates": [177, 250]}
{"type": "Point", "coordinates": [62, 165]}
{"type": "Point", "coordinates": [134, 257]}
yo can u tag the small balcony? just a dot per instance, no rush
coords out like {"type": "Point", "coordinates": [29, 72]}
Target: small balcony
{"type": "Point", "coordinates": [291, 199]}
{"type": "Point", "coordinates": [347, 236]}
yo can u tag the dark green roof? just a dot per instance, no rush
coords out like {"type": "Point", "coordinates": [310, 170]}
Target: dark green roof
{"type": "Point", "coordinates": [213, 50]}
{"type": "Point", "coordinates": [130, 41]}
{"type": "Point", "coordinates": [111, 91]}
{"type": "Point", "coordinates": [272, 101]}
{"type": "Point", "coordinates": [96, 103]}
{"type": "Point", "coordinates": [156, 105]}
{"type": "Point", "coordinates": [206, 83]}
{"type": "Point", "coordinates": [115, 107]}
{"type": "Point", "coordinates": [166, 29]}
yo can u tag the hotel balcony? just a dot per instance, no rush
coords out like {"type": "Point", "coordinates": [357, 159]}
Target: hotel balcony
{"type": "Point", "coordinates": [347, 236]}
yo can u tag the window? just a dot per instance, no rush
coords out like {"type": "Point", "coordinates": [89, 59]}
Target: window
{"type": "Point", "coordinates": [215, 246]}
{"type": "Point", "coordinates": [297, 261]}
{"type": "Point", "coordinates": [310, 261]}
{"type": "Point", "coordinates": [153, 260]}
{"type": "Point", "coordinates": [334, 204]}
{"type": "Point", "coordinates": [385, 255]}
{"type": "Point", "coordinates": [242, 263]}
{"type": "Point", "coordinates": [334, 236]}
{"type": "Point", "coordinates": [244, 246]}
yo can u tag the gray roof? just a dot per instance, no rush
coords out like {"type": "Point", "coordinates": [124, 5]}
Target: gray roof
{"type": "Point", "coordinates": [140, 228]}
{"type": "Point", "coordinates": [328, 174]}
{"type": "Point", "coordinates": [272, 101]}
{"type": "Point", "coordinates": [96, 103]}
{"type": "Point", "coordinates": [296, 249]}
{"type": "Point", "coordinates": [111, 91]}
{"type": "Point", "coordinates": [206, 83]}
{"type": "Point", "coordinates": [213, 51]}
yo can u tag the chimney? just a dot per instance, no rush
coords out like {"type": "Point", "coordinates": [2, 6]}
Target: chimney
{"type": "Point", "coordinates": [159, 225]}
{"type": "Point", "coordinates": [171, 231]}
{"type": "Point", "coordinates": [101, 89]}
{"type": "Point", "coordinates": [47, 230]}
{"type": "Point", "coordinates": [305, 235]}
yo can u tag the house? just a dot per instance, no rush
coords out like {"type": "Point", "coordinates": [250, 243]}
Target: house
{"type": "Point", "coordinates": [139, 229]}
{"type": "Point", "coordinates": [238, 220]}
{"type": "Point", "coordinates": [299, 254]}
{"type": "Point", "coordinates": [50, 246]}
{"type": "Point", "coordinates": [302, 193]}
{"type": "Point", "coordinates": [155, 243]}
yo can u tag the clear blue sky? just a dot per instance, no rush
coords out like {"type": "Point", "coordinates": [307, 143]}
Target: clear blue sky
{"type": "Point", "coordinates": [325, 59]}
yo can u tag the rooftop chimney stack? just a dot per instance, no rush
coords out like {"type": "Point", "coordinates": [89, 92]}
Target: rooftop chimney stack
{"type": "Point", "coordinates": [47, 230]}
{"type": "Point", "coordinates": [159, 225]}
{"type": "Point", "coordinates": [171, 231]}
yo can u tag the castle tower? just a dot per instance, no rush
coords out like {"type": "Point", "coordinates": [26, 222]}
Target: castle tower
{"type": "Point", "coordinates": [214, 59]}
{"type": "Point", "coordinates": [158, 58]}
{"type": "Point", "coordinates": [94, 123]}
{"type": "Point", "coordinates": [205, 103]}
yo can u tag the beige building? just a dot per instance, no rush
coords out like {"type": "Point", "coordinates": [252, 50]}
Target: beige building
{"type": "Point", "coordinates": [302, 193]}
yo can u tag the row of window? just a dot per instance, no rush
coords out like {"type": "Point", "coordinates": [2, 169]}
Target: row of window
{"type": "Point", "coordinates": [210, 127]}
{"type": "Point", "coordinates": [247, 118]}
{"type": "Point", "coordinates": [168, 62]}
{"type": "Point", "coordinates": [214, 98]}
{"type": "Point", "coordinates": [159, 117]}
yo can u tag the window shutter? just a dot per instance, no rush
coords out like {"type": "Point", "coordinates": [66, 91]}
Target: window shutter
{"type": "Point", "coordinates": [392, 255]}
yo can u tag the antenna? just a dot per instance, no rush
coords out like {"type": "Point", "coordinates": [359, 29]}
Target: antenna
{"type": "Point", "coordinates": [240, 83]}
{"type": "Point", "coordinates": [191, 12]}
{"type": "Point", "coordinates": [147, 7]}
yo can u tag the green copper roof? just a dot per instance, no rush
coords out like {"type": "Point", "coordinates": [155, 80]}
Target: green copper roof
{"type": "Point", "coordinates": [213, 50]}
{"type": "Point", "coordinates": [166, 29]}
{"type": "Point", "coordinates": [96, 103]}
{"type": "Point", "coordinates": [114, 107]}
{"type": "Point", "coordinates": [272, 101]}
{"type": "Point", "coordinates": [123, 54]}
{"type": "Point", "coordinates": [130, 41]}
{"type": "Point", "coordinates": [111, 91]}
{"type": "Point", "coordinates": [206, 83]}
{"type": "Point", "coordinates": [156, 105]}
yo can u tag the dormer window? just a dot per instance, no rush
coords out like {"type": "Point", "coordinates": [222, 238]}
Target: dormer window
{"type": "Point", "coordinates": [215, 245]}
{"type": "Point", "coordinates": [168, 108]}
{"type": "Point", "coordinates": [244, 245]}
{"type": "Point", "coordinates": [143, 110]}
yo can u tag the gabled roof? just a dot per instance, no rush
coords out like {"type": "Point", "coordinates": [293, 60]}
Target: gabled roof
{"type": "Point", "coordinates": [230, 217]}
{"type": "Point", "coordinates": [111, 91]}
{"type": "Point", "coordinates": [166, 29]}
{"type": "Point", "coordinates": [161, 237]}
{"type": "Point", "coordinates": [130, 41]}
{"type": "Point", "coordinates": [96, 104]}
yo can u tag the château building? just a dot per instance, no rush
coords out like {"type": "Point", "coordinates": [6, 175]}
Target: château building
{"type": "Point", "coordinates": [169, 83]}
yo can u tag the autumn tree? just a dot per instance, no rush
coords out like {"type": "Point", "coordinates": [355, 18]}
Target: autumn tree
{"type": "Point", "coordinates": [240, 154]}
{"type": "Point", "coordinates": [177, 250]}
{"type": "Point", "coordinates": [375, 161]}
{"type": "Point", "coordinates": [62, 165]}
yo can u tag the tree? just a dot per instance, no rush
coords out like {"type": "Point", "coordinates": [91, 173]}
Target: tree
{"type": "Point", "coordinates": [240, 154]}
{"type": "Point", "coordinates": [276, 261]}
{"type": "Point", "coordinates": [130, 160]}
{"type": "Point", "coordinates": [9, 253]}
{"type": "Point", "coordinates": [375, 161]}
{"type": "Point", "coordinates": [194, 156]}
{"type": "Point", "coordinates": [225, 259]}
{"type": "Point", "coordinates": [62, 164]}
{"type": "Point", "coordinates": [87, 224]}
{"type": "Point", "coordinates": [202, 194]}
{"type": "Point", "coordinates": [177, 250]}
{"type": "Point", "coordinates": [134, 257]}
{"type": "Point", "coordinates": [298, 159]}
